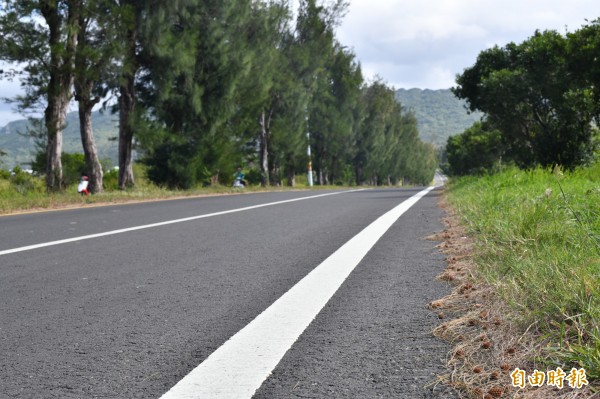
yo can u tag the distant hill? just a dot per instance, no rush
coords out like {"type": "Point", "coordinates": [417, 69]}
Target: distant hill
{"type": "Point", "coordinates": [21, 150]}
{"type": "Point", "coordinates": [439, 114]}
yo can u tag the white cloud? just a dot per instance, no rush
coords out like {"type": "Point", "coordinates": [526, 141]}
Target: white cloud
{"type": "Point", "coordinates": [426, 43]}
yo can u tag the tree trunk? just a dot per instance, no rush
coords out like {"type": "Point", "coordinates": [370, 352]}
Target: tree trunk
{"type": "Point", "coordinates": [126, 113]}
{"type": "Point", "coordinates": [127, 103]}
{"type": "Point", "coordinates": [358, 175]}
{"type": "Point", "coordinates": [92, 162]}
{"type": "Point", "coordinates": [291, 177]}
{"type": "Point", "coordinates": [84, 85]}
{"type": "Point", "coordinates": [59, 85]}
{"type": "Point", "coordinates": [264, 123]}
{"type": "Point", "coordinates": [54, 116]}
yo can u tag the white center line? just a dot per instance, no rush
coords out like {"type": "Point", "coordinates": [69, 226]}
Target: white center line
{"type": "Point", "coordinates": [149, 226]}
{"type": "Point", "coordinates": [240, 366]}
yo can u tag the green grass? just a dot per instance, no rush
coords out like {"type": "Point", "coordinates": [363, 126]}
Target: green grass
{"type": "Point", "coordinates": [539, 244]}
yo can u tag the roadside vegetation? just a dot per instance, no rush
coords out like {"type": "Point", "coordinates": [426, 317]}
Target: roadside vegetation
{"type": "Point", "coordinates": [536, 260]}
{"type": "Point", "coordinates": [21, 191]}
{"type": "Point", "coordinates": [202, 88]}
{"type": "Point", "coordinates": [526, 267]}
{"type": "Point", "coordinates": [540, 100]}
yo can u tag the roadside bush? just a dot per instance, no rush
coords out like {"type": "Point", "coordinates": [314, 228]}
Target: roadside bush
{"type": "Point", "coordinates": [4, 174]}
{"type": "Point", "coordinates": [476, 151]}
{"type": "Point", "coordinates": [73, 166]}
{"type": "Point", "coordinates": [111, 180]}
{"type": "Point", "coordinates": [24, 183]}
{"type": "Point", "coordinates": [253, 177]}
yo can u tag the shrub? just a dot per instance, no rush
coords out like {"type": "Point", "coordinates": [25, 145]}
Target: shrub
{"type": "Point", "coordinates": [111, 180]}
{"type": "Point", "coordinates": [73, 166]}
{"type": "Point", "coordinates": [24, 183]}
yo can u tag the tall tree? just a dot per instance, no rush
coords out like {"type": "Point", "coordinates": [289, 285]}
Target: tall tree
{"type": "Point", "coordinates": [198, 63]}
{"type": "Point", "coordinates": [95, 52]}
{"type": "Point", "coordinates": [528, 92]}
{"type": "Point", "coordinates": [315, 36]}
{"type": "Point", "coordinates": [260, 98]}
{"type": "Point", "coordinates": [61, 18]}
{"type": "Point", "coordinates": [337, 116]}
{"type": "Point", "coordinates": [47, 52]}
{"type": "Point", "coordinates": [129, 19]}
{"type": "Point", "coordinates": [389, 149]}
{"type": "Point", "coordinates": [379, 105]}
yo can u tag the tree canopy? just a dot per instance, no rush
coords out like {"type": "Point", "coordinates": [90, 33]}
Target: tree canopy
{"type": "Point", "coordinates": [206, 86]}
{"type": "Point", "coordinates": [539, 97]}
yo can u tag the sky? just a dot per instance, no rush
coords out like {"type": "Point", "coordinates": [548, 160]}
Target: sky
{"type": "Point", "coordinates": [425, 44]}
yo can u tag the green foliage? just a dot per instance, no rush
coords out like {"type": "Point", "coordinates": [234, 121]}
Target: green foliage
{"type": "Point", "coordinates": [73, 166]}
{"type": "Point", "coordinates": [24, 42]}
{"type": "Point", "coordinates": [253, 177]}
{"type": "Point", "coordinates": [111, 180]}
{"type": "Point", "coordinates": [583, 47]}
{"type": "Point", "coordinates": [539, 244]}
{"type": "Point", "coordinates": [335, 115]}
{"type": "Point", "coordinates": [540, 102]}
{"type": "Point", "coordinates": [197, 61]}
{"type": "Point", "coordinates": [389, 150]}
{"type": "Point", "coordinates": [24, 183]}
{"type": "Point", "coordinates": [4, 174]}
{"type": "Point", "coordinates": [206, 73]}
{"type": "Point", "coordinates": [477, 150]}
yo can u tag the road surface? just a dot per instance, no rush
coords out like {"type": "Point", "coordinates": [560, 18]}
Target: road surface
{"type": "Point", "coordinates": [125, 301]}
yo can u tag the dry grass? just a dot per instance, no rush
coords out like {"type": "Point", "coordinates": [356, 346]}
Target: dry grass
{"type": "Point", "coordinates": [487, 345]}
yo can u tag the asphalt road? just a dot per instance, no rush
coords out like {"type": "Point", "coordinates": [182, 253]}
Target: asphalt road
{"type": "Point", "coordinates": [128, 315]}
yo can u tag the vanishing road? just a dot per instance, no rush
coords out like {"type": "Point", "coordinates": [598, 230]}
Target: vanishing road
{"type": "Point", "coordinates": [316, 294]}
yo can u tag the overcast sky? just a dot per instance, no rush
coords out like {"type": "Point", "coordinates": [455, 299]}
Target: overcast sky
{"type": "Point", "coordinates": [425, 43]}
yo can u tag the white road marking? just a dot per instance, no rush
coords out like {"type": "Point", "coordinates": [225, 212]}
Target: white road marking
{"type": "Point", "coordinates": [240, 366]}
{"type": "Point", "coordinates": [149, 226]}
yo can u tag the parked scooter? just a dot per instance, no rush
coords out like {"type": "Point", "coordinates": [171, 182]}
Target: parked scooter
{"type": "Point", "coordinates": [82, 187]}
{"type": "Point", "coordinates": [238, 179]}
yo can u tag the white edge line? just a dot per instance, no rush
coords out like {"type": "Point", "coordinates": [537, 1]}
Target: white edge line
{"type": "Point", "coordinates": [240, 366]}
{"type": "Point", "coordinates": [148, 226]}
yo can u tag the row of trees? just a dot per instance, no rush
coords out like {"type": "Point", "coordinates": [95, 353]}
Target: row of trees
{"type": "Point", "coordinates": [541, 100]}
{"type": "Point", "coordinates": [204, 86]}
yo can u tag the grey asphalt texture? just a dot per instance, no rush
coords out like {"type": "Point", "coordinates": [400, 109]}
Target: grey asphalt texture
{"type": "Point", "coordinates": [129, 315]}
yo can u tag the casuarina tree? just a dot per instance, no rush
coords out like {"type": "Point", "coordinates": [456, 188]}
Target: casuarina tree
{"type": "Point", "coordinates": [41, 37]}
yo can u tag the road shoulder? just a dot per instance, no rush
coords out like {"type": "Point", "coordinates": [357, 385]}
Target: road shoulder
{"type": "Point", "coordinates": [373, 339]}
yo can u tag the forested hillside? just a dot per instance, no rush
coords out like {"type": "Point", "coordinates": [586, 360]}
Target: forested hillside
{"type": "Point", "coordinates": [20, 148]}
{"type": "Point", "coordinates": [439, 113]}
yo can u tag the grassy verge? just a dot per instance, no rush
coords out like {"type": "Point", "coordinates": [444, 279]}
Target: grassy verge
{"type": "Point", "coordinates": [23, 192]}
{"type": "Point", "coordinates": [538, 246]}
